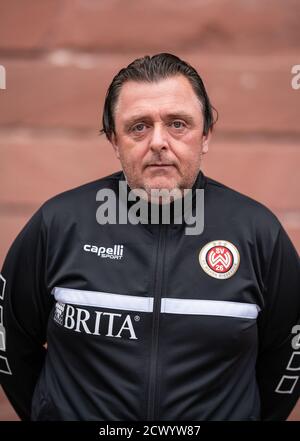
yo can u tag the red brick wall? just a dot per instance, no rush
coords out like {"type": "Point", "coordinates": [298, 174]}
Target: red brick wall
{"type": "Point", "coordinates": [60, 56]}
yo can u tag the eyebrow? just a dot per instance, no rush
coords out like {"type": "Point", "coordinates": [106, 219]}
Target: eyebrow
{"type": "Point", "coordinates": [176, 115]}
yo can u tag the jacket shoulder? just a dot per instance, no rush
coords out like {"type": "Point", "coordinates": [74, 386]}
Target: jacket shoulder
{"type": "Point", "coordinates": [79, 199]}
{"type": "Point", "coordinates": [238, 206]}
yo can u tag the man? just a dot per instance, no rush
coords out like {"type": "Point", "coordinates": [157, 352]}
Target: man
{"type": "Point", "coordinates": [143, 321]}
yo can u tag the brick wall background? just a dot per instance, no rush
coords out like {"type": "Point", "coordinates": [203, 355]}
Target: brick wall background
{"type": "Point", "coordinates": [60, 56]}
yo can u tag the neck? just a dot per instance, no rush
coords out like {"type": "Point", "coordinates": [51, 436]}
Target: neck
{"type": "Point", "coordinates": [166, 207]}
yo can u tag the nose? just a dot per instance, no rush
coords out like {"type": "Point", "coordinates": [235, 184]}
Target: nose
{"type": "Point", "coordinates": [159, 138]}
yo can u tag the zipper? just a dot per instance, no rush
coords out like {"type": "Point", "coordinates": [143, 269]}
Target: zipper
{"type": "Point", "coordinates": [158, 285]}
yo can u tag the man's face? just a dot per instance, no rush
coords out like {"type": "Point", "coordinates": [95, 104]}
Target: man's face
{"type": "Point", "coordinates": [159, 134]}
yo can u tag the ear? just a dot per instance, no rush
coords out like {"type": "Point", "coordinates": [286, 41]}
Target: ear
{"type": "Point", "coordinates": [205, 142]}
{"type": "Point", "coordinates": [114, 143]}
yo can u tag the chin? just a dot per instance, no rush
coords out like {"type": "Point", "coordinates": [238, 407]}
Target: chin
{"type": "Point", "coordinates": [160, 183]}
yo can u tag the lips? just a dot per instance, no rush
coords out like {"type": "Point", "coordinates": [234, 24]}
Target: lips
{"type": "Point", "coordinates": [160, 165]}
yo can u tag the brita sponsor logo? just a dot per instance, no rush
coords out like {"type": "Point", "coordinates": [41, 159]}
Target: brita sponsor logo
{"type": "Point", "coordinates": [95, 322]}
{"type": "Point", "coordinates": [111, 253]}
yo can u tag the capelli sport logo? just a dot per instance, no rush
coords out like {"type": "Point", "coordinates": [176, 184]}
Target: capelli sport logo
{"type": "Point", "coordinates": [219, 259]}
{"type": "Point", "coordinates": [106, 253]}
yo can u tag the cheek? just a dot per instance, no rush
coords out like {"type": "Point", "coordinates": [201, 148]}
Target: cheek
{"type": "Point", "coordinates": [193, 138]}
{"type": "Point", "coordinates": [131, 156]}
{"type": "Point", "coordinates": [189, 150]}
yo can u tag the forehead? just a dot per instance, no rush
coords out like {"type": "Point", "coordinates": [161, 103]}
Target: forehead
{"type": "Point", "coordinates": [164, 95]}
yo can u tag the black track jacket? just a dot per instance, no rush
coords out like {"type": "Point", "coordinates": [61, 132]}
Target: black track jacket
{"type": "Point", "coordinates": [144, 322]}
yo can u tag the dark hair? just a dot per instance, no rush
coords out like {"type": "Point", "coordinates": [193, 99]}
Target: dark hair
{"type": "Point", "coordinates": [151, 69]}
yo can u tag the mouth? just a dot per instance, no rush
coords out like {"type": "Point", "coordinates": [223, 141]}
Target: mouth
{"type": "Point", "coordinates": [160, 165]}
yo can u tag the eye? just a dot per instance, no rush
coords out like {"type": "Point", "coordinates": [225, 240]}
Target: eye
{"type": "Point", "coordinates": [177, 124]}
{"type": "Point", "coordinates": [138, 127]}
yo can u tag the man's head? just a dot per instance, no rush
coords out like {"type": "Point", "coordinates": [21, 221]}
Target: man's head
{"type": "Point", "coordinates": [158, 118]}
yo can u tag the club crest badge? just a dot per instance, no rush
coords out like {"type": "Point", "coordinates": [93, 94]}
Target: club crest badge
{"type": "Point", "coordinates": [220, 259]}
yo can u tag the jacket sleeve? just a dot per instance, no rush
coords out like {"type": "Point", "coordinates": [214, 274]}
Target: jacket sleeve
{"type": "Point", "coordinates": [24, 309]}
{"type": "Point", "coordinates": [278, 362]}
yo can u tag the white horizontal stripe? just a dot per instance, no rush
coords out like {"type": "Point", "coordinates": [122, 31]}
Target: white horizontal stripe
{"type": "Point", "coordinates": [103, 299]}
{"type": "Point", "coordinates": [145, 304]}
{"type": "Point", "coordinates": [210, 307]}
